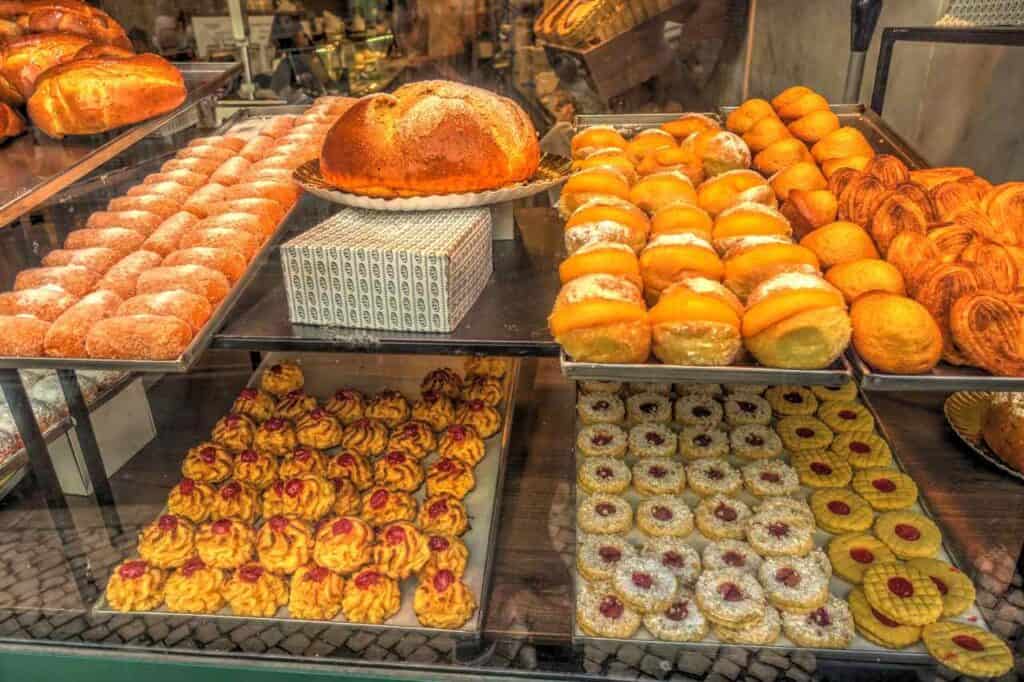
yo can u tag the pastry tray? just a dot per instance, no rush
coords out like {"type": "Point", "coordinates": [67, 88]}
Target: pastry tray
{"type": "Point", "coordinates": [965, 414]}
{"type": "Point", "coordinates": [325, 373]}
{"type": "Point", "coordinates": [859, 650]}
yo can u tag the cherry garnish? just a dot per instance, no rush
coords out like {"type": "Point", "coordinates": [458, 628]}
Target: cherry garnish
{"type": "Point", "coordinates": [907, 532]}
{"type": "Point", "coordinates": [443, 579]}
{"type": "Point", "coordinates": [438, 543]}
{"type": "Point", "coordinates": [859, 448]}
{"type": "Point", "coordinates": [167, 522]}
{"type": "Point", "coordinates": [838, 507]}
{"type": "Point", "coordinates": [821, 469]}
{"type": "Point", "coordinates": [132, 569]}
{"type": "Point", "coordinates": [883, 485]}
{"type": "Point", "coordinates": [250, 573]}
{"type": "Point", "coordinates": [862, 555]}
{"type": "Point", "coordinates": [968, 642]}
{"type": "Point", "coordinates": [342, 527]}
{"type": "Point", "coordinates": [901, 587]}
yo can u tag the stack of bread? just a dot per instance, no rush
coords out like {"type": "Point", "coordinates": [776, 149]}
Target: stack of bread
{"type": "Point", "coordinates": [73, 68]}
{"type": "Point", "coordinates": [141, 278]}
{"type": "Point", "coordinates": [676, 219]}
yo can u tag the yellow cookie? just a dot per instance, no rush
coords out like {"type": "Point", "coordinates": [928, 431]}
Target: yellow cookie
{"type": "Point", "coordinates": [904, 594]}
{"type": "Point", "coordinates": [846, 391]}
{"type": "Point", "coordinates": [968, 649]}
{"type": "Point", "coordinates": [885, 489]}
{"type": "Point", "coordinates": [837, 510]}
{"type": "Point", "coordinates": [822, 470]}
{"type": "Point", "coordinates": [879, 629]}
{"type": "Point", "coordinates": [843, 416]}
{"type": "Point", "coordinates": [787, 401]}
{"type": "Point", "coordinates": [803, 433]}
{"type": "Point", "coordinates": [863, 449]}
{"type": "Point", "coordinates": [956, 589]}
{"type": "Point", "coordinates": [854, 553]}
{"type": "Point", "coordinates": [908, 534]}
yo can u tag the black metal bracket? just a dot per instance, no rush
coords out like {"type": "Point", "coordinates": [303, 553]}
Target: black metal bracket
{"type": "Point", "coordinates": [1005, 36]}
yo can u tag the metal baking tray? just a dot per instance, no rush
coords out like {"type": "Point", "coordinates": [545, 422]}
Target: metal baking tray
{"type": "Point", "coordinates": [327, 372]}
{"type": "Point", "coordinates": [630, 124]}
{"type": "Point", "coordinates": [860, 649]}
{"type": "Point", "coordinates": [204, 336]}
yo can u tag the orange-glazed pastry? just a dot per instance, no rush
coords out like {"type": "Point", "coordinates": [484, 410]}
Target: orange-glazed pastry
{"type": "Point", "coordinates": [370, 597]}
{"type": "Point", "coordinates": [720, 151]}
{"type": "Point", "coordinates": [808, 210]}
{"type": "Point", "coordinates": [840, 242]}
{"type": "Point", "coordinates": [782, 154]}
{"type": "Point", "coordinates": [697, 322]}
{"type": "Point", "coordinates": [646, 141]}
{"type": "Point", "coordinates": [390, 407]}
{"type": "Point", "coordinates": [444, 380]}
{"type": "Point", "coordinates": [275, 436]}
{"type": "Point", "coordinates": [789, 95]}
{"type": "Point", "coordinates": [381, 506]}
{"type": "Point", "coordinates": [255, 404]}
{"type": "Point", "coordinates": [803, 175]}
{"type": "Point", "coordinates": [135, 586]}
{"type": "Point", "coordinates": [234, 432]}
{"type": "Point", "coordinates": [670, 257]}
{"type": "Point", "coordinates": [484, 419]}
{"type": "Point", "coordinates": [447, 553]}
{"type": "Point", "coordinates": [398, 471]}
{"type": "Point", "coordinates": [854, 163]}
{"type": "Point", "coordinates": [483, 388]}
{"type": "Point", "coordinates": [303, 460]}
{"type": "Point", "coordinates": [443, 514]}
{"type": "Point", "coordinates": [765, 133]}
{"type": "Point", "coordinates": [367, 437]}
{"type": "Point", "coordinates": [815, 125]}
{"type": "Point", "coordinates": [284, 544]}
{"type": "Point", "coordinates": [343, 544]}
{"type": "Point", "coordinates": [689, 123]}
{"type": "Point", "coordinates": [841, 143]}
{"type": "Point", "coordinates": [486, 366]}
{"type": "Point", "coordinates": [195, 588]}
{"type": "Point", "coordinates": [318, 429]}
{"type": "Point", "coordinates": [281, 378]}
{"type": "Point", "coordinates": [895, 334]}
{"type": "Point", "coordinates": [443, 601]}
{"type": "Point", "coordinates": [462, 442]}
{"type": "Point", "coordinates": [167, 542]}
{"type": "Point", "coordinates": [451, 476]}
{"type": "Point", "coordinates": [415, 438]}
{"type": "Point", "coordinates": [315, 593]}
{"type": "Point", "coordinates": [226, 543]}
{"type": "Point", "coordinates": [748, 219]}
{"type": "Point", "coordinates": [234, 500]}
{"type": "Point", "coordinates": [735, 187]}
{"type": "Point", "coordinates": [580, 226]}
{"type": "Point", "coordinates": [610, 258]}
{"type": "Point", "coordinates": [346, 405]}
{"type": "Point", "coordinates": [352, 466]}
{"type": "Point", "coordinates": [798, 106]}
{"type": "Point", "coordinates": [294, 404]}
{"type": "Point", "coordinates": [609, 157]}
{"type": "Point", "coordinates": [742, 118]}
{"type": "Point", "coordinates": [601, 318]}
{"type": "Point", "coordinates": [590, 183]}
{"type": "Point", "coordinates": [434, 409]}
{"type": "Point", "coordinates": [657, 190]}
{"type": "Point", "coordinates": [191, 499]}
{"type": "Point", "coordinates": [594, 138]}
{"type": "Point", "coordinates": [207, 462]}
{"type": "Point", "coordinates": [254, 591]}
{"type": "Point", "coordinates": [401, 550]}
{"type": "Point", "coordinates": [306, 496]}
{"type": "Point", "coordinates": [255, 468]}
{"type": "Point", "coordinates": [681, 217]}
{"type": "Point", "coordinates": [347, 500]}
{"type": "Point", "coordinates": [858, 277]}
{"type": "Point", "coordinates": [797, 321]}
{"type": "Point", "coordinates": [751, 260]}
{"type": "Point", "coordinates": [683, 160]}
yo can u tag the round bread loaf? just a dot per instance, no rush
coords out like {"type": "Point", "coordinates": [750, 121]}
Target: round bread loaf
{"type": "Point", "coordinates": [432, 137]}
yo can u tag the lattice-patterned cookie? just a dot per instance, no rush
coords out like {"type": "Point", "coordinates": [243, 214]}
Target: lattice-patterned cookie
{"type": "Point", "coordinates": [885, 489]}
{"type": "Point", "coordinates": [968, 649]}
{"type": "Point", "coordinates": [863, 449]}
{"type": "Point", "coordinates": [719, 517]}
{"type": "Point", "coordinates": [730, 597]}
{"type": "Point", "coordinates": [956, 589]}
{"type": "Point", "coordinates": [804, 433]}
{"type": "Point", "coordinates": [822, 470]}
{"type": "Point", "coordinates": [908, 534]}
{"type": "Point", "coordinates": [877, 627]}
{"type": "Point", "coordinates": [843, 416]}
{"type": "Point", "coordinates": [791, 401]}
{"type": "Point", "coordinates": [902, 593]}
{"type": "Point", "coordinates": [854, 553]}
{"type": "Point", "coordinates": [829, 626]}
{"type": "Point", "coordinates": [838, 510]}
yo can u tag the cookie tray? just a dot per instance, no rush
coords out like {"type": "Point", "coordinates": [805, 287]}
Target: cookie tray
{"type": "Point", "coordinates": [327, 372]}
{"type": "Point", "coordinates": [860, 649]}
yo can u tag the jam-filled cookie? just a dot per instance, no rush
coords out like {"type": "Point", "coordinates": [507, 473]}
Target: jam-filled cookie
{"type": "Point", "coordinates": [235, 500]}
{"type": "Point", "coordinates": [284, 544]}
{"type": "Point", "coordinates": [601, 408]}
{"type": "Point", "coordinates": [600, 612]}
{"type": "Point", "coordinates": [347, 499]}
{"type": "Point", "coordinates": [443, 514]}
{"type": "Point", "coordinates": [447, 553]}
{"type": "Point", "coordinates": [660, 388]}
{"type": "Point", "coordinates": [713, 477]}
{"type": "Point", "coordinates": [281, 378]}
{"type": "Point", "coordinates": [838, 510]}
{"type": "Point", "coordinates": [255, 468]}
{"type": "Point", "coordinates": [463, 443]}
{"type": "Point", "coordinates": [793, 584]}
{"type": "Point", "coordinates": [254, 591]}
{"type": "Point", "coordinates": [306, 496]}
{"type": "Point", "coordinates": [644, 584]}
{"type": "Point", "coordinates": [843, 416]}
{"type": "Point", "coordinates": [863, 450]}
{"type": "Point", "coordinates": [854, 553]}
{"type": "Point", "coordinates": [390, 407]}
{"type": "Point", "coordinates": [957, 590]}
{"type": "Point", "coordinates": [317, 429]}
{"type": "Point", "coordinates": [603, 475]}
{"type": "Point", "coordinates": [370, 597]}
{"type": "Point", "coordinates": [744, 389]}
{"type": "Point", "coordinates": [770, 478]}
{"type": "Point", "coordinates": [343, 544]}
{"type": "Point", "coordinates": [747, 408]}
{"type": "Point", "coordinates": [659, 477]}
{"type": "Point", "coordinates": [294, 404]}
{"type": "Point", "coordinates": [347, 405]}
{"type": "Point", "coordinates": [398, 471]}
{"type": "Point", "coordinates": [698, 389]}
{"type": "Point", "coordinates": [730, 597]}
{"type": "Point", "coordinates": [256, 404]}
{"type": "Point", "coordinates": [451, 476]}
{"type": "Point", "coordinates": [443, 380]}
{"type": "Point", "coordinates": [167, 542]}
{"type": "Point", "coordinates": [136, 586]}
{"type": "Point", "coordinates": [482, 417]}
{"type": "Point", "coordinates": [601, 440]}
{"type": "Point", "coordinates": [195, 588]}
{"type": "Point", "coordinates": [487, 389]}
{"type": "Point", "coordinates": [366, 437]}
{"type": "Point", "coordinates": [275, 436]}
{"type": "Point", "coordinates": [755, 441]}
{"type": "Point", "coordinates": [315, 593]}
{"type": "Point", "coordinates": [207, 462]}
{"type": "Point", "coordinates": [885, 489]}
{"type": "Point", "coordinates": [698, 410]}
{"type": "Point", "coordinates": [401, 550]}
{"type": "Point", "coordinates": [680, 621]}
{"type": "Point", "coordinates": [845, 391]}
{"type": "Point", "coordinates": [382, 506]}
{"type": "Point", "coordinates": [719, 517]}
{"type": "Point", "coordinates": [234, 432]}
{"type": "Point", "coordinates": [878, 628]}
{"type": "Point", "coordinates": [785, 505]}
{"type": "Point", "coordinates": [226, 543]}
{"type": "Point", "coordinates": [442, 600]}
{"type": "Point", "coordinates": [804, 433]}
{"type": "Point", "coordinates": [780, 534]}
{"type": "Point", "coordinates": [597, 556]}
{"type": "Point", "coordinates": [676, 556]}
{"type": "Point", "coordinates": [415, 438]}
{"type": "Point", "coordinates": [645, 408]}
{"type": "Point", "coordinates": [303, 460]}
{"type": "Point", "coordinates": [434, 409]}
{"type": "Point", "coordinates": [760, 632]}
{"type": "Point", "coordinates": [830, 626]}
{"type": "Point", "coordinates": [487, 366]}
{"type": "Point", "coordinates": [700, 443]}
{"type": "Point", "coordinates": [353, 467]}
{"type": "Point", "coordinates": [600, 386]}
{"type": "Point", "coordinates": [652, 440]}
{"type": "Point", "coordinates": [904, 594]}
{"type": "Point", "coordinates": [908, 534]}
{"type": "Point", "coordinates": [191, 500]}
{"type": "Point", "coordinates": [822, 469]}
{"type": "Point", "coordinates": [663, 516]}
{"type": "Point", "coordinates": [604, 514]}
{"type": "Point", "coordinates": [791, 401]}
{"type": "Point", "coordinates": [735, 554]}
{"type": "Point", "coordinates": [968, 649]}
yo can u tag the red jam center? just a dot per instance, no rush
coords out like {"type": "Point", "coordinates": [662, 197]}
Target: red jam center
{"type": "Point", "coordinates": [248, 393]}
{"type": "Point", "coordinates": [476, 405]}
{"type": "Point", "coordinates": [167, 522]}
{"type": "Point", "coordinates": [805, 432]}
{"type": "Point", "coordinates": [132, 569]}
{"type": "Point", "coordinates": [601, 439]}
{"type": "Point", "coordinates": [443, 579]}
{"type": "Point", "coordinates": [232, 420]}
{"type": "Point", "coordinates": [901, 587]}
{"type": "Point", "coordinates": [700, 411]}
{"type": "Point", "coordinates": [230, 491]}
{"type": "Point", "coordinates": [755, 441]}
{"type": "Point", "coordinates": [186, 486]}
{"type": "Point", "coordinates": [734, 559]}
{"type": "Point", "coordinates": [778, 529]}
{"type": "Point", "coordinates": [457, 432]}
{"type": "Point", "coordinates": [396, 458]}
{"type": "Point", "coordinates": [248, 456]}
{"type": "Point", "coordinates": [657, 472]}
{"type": "Point", "coordinates": [395, 535]}
{"type": "Point", "coordinates": [411, 430]}
{"type": "Point", "coordinates": [747, 407]}
{"type": "Point", "coordinates": [662, 513]}
{"type": "Point", "coordinates": [839, 507]}
{"type": "Point", "coordinates": [714, 474]}
{"type": "Point", "coordinates": [250, 573]}
{"type": "Point", "coordinates": [883, 485]}
{"type": "Point", "coordinates": [730, 592]}
{"type": "Point", "coordinates": [208, 455]}
{"type": "Point", "coordinates": [703, 440]}
{"type": "Point", "coordinates": [847, 415]}
{"type": "Point", "coordinates": [276, 369]}
{"type": "Point", "coordinates": [191, 566]}
{"type": "Point", "coordinates": [604, 472]}
{"type": "Point", "coordinates": [293, 487]}
{"type": "Point", "coordinates": [611, 607]}
{"type": "Point", "coordinates": [367, 579]}
{"type": "Point", "coordinates": [430, 397]}
{"type": "Point", "coordinates": [770, 477]}
{"type": "Point", "coordinates": [787, 576]}
{"type": "Point", "coordinates": [642, 580]}
{"type": "Point", "coordinates": [654, 438]}
{"type": "Point", "coordinates": [279, 523]}
{"type": "Point", "coordinates": [968, 642]}
{"type": "Point", "coordinates": [438, 543]}
{"type": "Point", "coordinates": [317, 414]}
{"type": "Point", "coordinates": [221, 527]}
{"type": "Point", "coordinates": [678, 611]}
{"type": "Point", "coordinates": [859, 448]}
{"type": "Point", "coordinates": [379, 499]}
{"type": "Point", "coordinates": [342, 527]}
{"type": "Point", "coordinates": [445, 465]}
{"type": "Point", "coordinates": [672, 559]}
{"type": "Point", "coordinates": [907, 532]}
{"type": "Point", "coordinates": [725, 513]}
{"type": "Point", "coordinates": [609, 555]}
{"type": "Point", "coordinates": [273, 424]}
{"type": "Point", "coordinates": [605, 509]}
{"type": "Point", "coordinates": [302, 454]}
{"type": "Point", "coordinates": [884, 620]}
{"type": "Point", "coordinates": [346, 460]}
{"type": "Point", "coordinates": [317, 574]}
{"type": "Point", "coordinates": [821, 469]}
{"type": "Point", "coordinates": [437, 508]}
{"type": "Point", "coordinates": [939, 585]}
{"type": "Point", "coordinates": [862, 555]}
{"type": "Point", "coordinates": [820, 617]}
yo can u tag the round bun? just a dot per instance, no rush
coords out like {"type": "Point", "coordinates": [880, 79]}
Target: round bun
{"type": "Point", "coordinates": [431, 137]}
{"type": "Point", "coordinates": [895, 334]}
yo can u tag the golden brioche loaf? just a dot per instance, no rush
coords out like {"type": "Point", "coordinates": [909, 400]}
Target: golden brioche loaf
{"type": "Point", "coordinates": [65, 16]}
{"type": "Point", "coordinates": [432, 137]}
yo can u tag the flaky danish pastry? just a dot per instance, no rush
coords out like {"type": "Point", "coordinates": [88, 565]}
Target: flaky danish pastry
{"type": "Point", "coordinates": [895, 214]}
{"type": "Point", "coordinates": [889, 169]}
{"type": "Point", "coordinates": [987, 327]}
